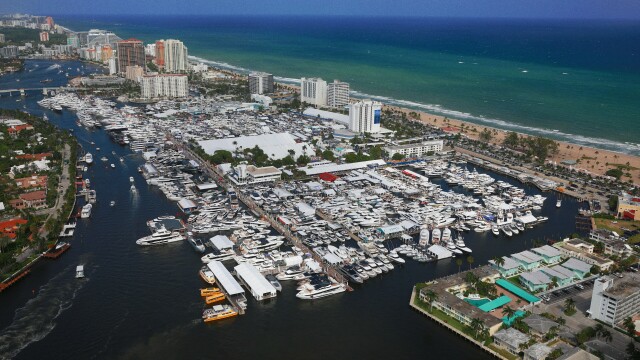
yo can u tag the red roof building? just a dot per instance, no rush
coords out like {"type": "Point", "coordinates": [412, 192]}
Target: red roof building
{"type": "Point", "coordinates": [32, 200]}
{"type": "Point", "coordinates": [328, 177]}
{"type": "Point", "coordinates": [14, 130]}
{"type": "Point", "coordinates": [34, 156]}
{"type": "Point", "coordinates": [34, 181]}
{"type": "Point", "coordinates": [10, 228]}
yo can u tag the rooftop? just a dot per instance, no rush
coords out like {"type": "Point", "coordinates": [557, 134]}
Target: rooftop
{"type": "Point", "coordinates": [625, 287]}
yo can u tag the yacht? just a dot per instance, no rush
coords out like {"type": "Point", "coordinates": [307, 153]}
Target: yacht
{"type": "Point", "coordinates": [396, 258]}
{"type": "Point", "coordinates": [195, 243]}
{"type": "Point", "coordinates": [218, 312]}
{"type": "Point", "coordinates": [88, 158]}
{"type": "Point", "coordinates": [435, 236]}
{"type": "Point", "coordinates": [274, 282]}
{"type": "Point", "coordinates": [79, 271]}
{"type": "Point", "coordinates": [507, 230]}
{"type": "Point", "coordinates": [207, 275]}
{"type": "Point", "coordinates": [86, 211]}
{"type": "Point", "coordinates": [452, 247]}
{"type": "Point", "coordinates": [461, 245]}
{"type": "Point", "coordinates": [160, 237]}
{"type": "Point", "coordinates": [446, 235]}
{"type": "Point", "coordinates": [320, 290]}
{"type": "Point", "coordinates": [217, 255]}
{"type": "Point", "coordinates": [292, 273]}
{"type": "Point", "coordinates": [495, 230]}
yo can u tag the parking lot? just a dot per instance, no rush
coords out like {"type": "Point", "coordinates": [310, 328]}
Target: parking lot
{"type": "Point", "coordinates": [568, 292]}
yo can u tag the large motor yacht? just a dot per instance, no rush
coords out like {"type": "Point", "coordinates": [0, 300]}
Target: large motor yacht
{"type": "Point", "coordinates": [160, 237]}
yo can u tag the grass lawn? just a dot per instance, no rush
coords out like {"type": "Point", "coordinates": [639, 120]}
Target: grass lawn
{"type": "Point", "coordinates": [442, 316]}
{"type": "Point", "coordinates": [617, 225]}
{"type": "Point", "coordinates": [515, 280]}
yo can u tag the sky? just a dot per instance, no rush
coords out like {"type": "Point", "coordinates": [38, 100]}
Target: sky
{"type": "Point", "coordinates": [579, 9]}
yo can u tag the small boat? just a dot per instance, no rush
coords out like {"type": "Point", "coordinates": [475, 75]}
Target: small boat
{"type": "Point", "coordinates": [112, 203]}
{"type": "Point", "coordinates": [214, 298]}
{"type": "Point", "coordinates": [79, 271]}
{"type": "Point", "coordinates": [133, 188]}
{"type": "Point", "coordinates": [558, 203]}
{"type": "Point", "coordinates": [207, 275]}
{"type": "Point", "coordinates": [196, 243]}
{"type": "Point", "coordinates": [113, 166]}
{"type": "Point", "coordinates": [104, 158]}
{"type": "Point", "coordinates": [131, 180]}
{"type": "Point", "coordinates": [86, 211]}
{"type": "Point", "coordinates": [88, 158]}
{"type": "Point", "coordinates": [218, 312]}
{"type": "Point", "coordinates": [121, 159]}
{"type": "Point", "coordinates": [495, 230]}
{"type": "Point", "coordinates": [209, 291]}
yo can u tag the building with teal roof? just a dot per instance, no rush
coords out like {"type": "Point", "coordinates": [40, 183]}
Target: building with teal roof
{"type": "Point", "coordinates": [528, 260]}
{"type": "Point", "coordinates": [549, 254]}
{"type": "Point", "coordinates": [509, 268]}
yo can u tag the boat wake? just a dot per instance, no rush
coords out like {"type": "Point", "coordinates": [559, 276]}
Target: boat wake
{"type": "Point", "coordinates": [626, 148]}
{"type": "Point", "coordinates": [52, 67]}
{"type": "Point", "coordinates": [36, 319]}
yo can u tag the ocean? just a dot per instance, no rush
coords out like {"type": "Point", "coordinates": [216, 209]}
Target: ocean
{"type": "Point", "coordinates": [569, 80]}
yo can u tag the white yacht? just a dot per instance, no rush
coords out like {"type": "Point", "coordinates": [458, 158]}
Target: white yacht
{"type": "Point", "coordinates": [86, 211]}
{"type": "Point", "coordinates": [495, 230]}
{"type": "Point", "coordinates": [311, 292]}
{"type": "Point", "coordinates": [160, 237]}
{"type": "Point", "coordinates": [461, 245]}
{"type": "Point", "coordinates": [424, 237]}
{"type": "Point", "coordinates": [88, 158]}
{"type": "Point", "coordinates": [507, 230]}
{"type": "Point", "coordinates": [446, 235]}
{"type": "Point", "coordinates": [435, 236]}
{"type": "Point", "coordinates": [217, 256]}
{"type": "Point", "coordinates": [292, 273]}
{"type": "Point", "coordinates": [396, 258]}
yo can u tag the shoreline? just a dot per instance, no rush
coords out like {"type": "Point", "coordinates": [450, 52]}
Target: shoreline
{"type": "Point", "coordinates": [491, 123]}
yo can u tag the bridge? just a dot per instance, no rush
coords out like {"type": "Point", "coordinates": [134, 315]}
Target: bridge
{"type": "Point", "coordinates": [44, 90]}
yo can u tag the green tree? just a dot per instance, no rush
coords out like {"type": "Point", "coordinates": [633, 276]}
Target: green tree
{"type": "Point", "coordinates": [498, 260]}
{"type": "Point", "coordinates": [512, 140]}
{"type": "Point", "coordinates": [430, 296]}
{"type": "Point", "coordinates": [459, 263]}
{"type": "Point", "coordinates": [470, 260]}
{"type": "Point", "coordinates": [328, 155]}
{"type": "Point", "coordinates": [485, 135]}
{"type": "Point", "coordinates": [569, 306]}
{"type": "Point", "coordinates": [397, 157]}
{"type": "Point", "coordinates": [629, 325]}
{"type": "Point", "coordinates": [508, 311]}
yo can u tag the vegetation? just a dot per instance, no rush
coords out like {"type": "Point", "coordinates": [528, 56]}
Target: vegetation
{"type": "Point", "coordinates": [585, 335]}
{"type": "Point", "coordinates": [20, 36]}
{"type": "Point", "coordinates": [569, 307]}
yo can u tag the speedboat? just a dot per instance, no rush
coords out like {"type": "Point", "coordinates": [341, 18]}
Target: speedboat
{"type": "Point", "coordinates": [273, 281]}
{"type": "Point", "coordinates": [133, 189]}
{"type": "Point", "coordinates": [218, 312]}
{"type": "Point", "coordinates": [131, 180]}
{"type": "Point", "coordinates": [112, 203]}
{"type": "Point", "coordinates": [196, 243]}
{"type": "Point", "coordinates": [396, 258]}
{"type": "Point", "coordinates": [507, 230]}
{"type": "Point", "coordinates": [160, 237]}
{"type": "Point", "coordinates": [558, 203]}
{"type": "Point", "coordinates": [495, 230]}
{"type": "Point", "coordinates": [113, 166]}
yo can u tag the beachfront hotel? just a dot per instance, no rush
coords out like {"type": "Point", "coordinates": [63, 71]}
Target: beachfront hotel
{"type": "Point", "coordinates": [130, 52]}
{"type": "Point", "coordinates": [364, 116]}
{"type": "Point", "coordinates": [313, 91]}
{"type": "Point", "coordinates": [260, 83]}
{"type": "Point", "coordinates": [164, 86]}
{"type": "Point", "coordinates": [175, 56]}
{"type": "Point", "coordinates": [338, 94]}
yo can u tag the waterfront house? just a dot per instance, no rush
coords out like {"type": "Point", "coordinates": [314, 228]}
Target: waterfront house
{"type": "Point", "coordinates": [562, 275]}
{"type": "Point", "coordinates": [537, 352]}
{"type": "Point", "coordinates": [582, 251]}
{"type": "Point", "coordinates": [9, 228]}
{"type": "Point", "coordinates": [539, 325]}
{"type": "Point", "coordinates": [510, 339]}
{"type": "Point", "coordinates": [579, 267]}
{"type": "Point", "coordinates": [33, 181]}
{"type": "Point", "coordinates": [509, 268]}
{"type": "Point", "coordinates": [527, 259]}
{"type": "Point", "coordinates": [535, 281]}
{"type": "Point", "coordinates": [549, 254]}
{"type": "Point", "coordinates": [457, 308]}
{"type": "Point", "coordinates": [30, 200]}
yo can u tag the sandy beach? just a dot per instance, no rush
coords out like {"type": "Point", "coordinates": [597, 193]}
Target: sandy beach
{"type": "Point", "coordinates": [588, 159]}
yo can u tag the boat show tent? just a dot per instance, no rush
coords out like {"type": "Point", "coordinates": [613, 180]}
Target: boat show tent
{"type": "Point", "coordinates": [439, 252]}
{"type": "Point", "coordinates": [221, 242]}
{"type": "Point", "coordinates": [260, 287]}
{"type": "Point", "coordinates": [225, 279]}
{"type": "Point", "coordinates": [186, 205]}
{"type": "Point", "coordinates": [332, 259]}
{"type": "Point", "coordinates": [527, 219]}
{"type": "Point", "coordinates": [505, 284]}
{"type": "Point", "coordinates": [494, 304]}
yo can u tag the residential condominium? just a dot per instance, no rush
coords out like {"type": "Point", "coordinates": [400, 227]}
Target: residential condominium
{"type": "Point", "coordinates": [416, 150]}
{"type": "Point", "coordinates": [313, 91]}
{"type": "Point", "coordinates": [164, 86]}
{"type": "Point", "coordinates": [364, 116]}
{"type": "Point", "coordinates": [614, 299]}
{"type": "Point", "coordinates": [260, 83]}
{"type": "Point", "coordinates": [175, 56]}
{"type": "Point", "coordinates": [338, 94]}
{"type": "Point", "coordinates": [130, 52]}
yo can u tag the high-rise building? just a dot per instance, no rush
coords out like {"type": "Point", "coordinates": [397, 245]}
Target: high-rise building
{"type": "Point", "coordinates": [313, 91]}
{"type": "Point", "coordinates": [98, 37]}
{"type": "Point", "coordinates": [175, 56]}
{"type": "Point", "coordinates": [338, 94]}
{"type": "Point", "coordinates": [44, 36]}
{"type": "Point", "coordinates": [614, 299]}
{"type": "Point", "coordinates": [73, 40]}
{"type": "Point", "coordinates": [49, 21]}
{"type": "Point", "coordinates": [150, 50]}
{"type": "Point", "coordinates": [260, 83]}
{"type": "Point", "coordinates": [9, 52]}
{"type": "Point", "coordinates": [130, 52]}
{"type": "Point", "coordinates": [2, 38]}
{"type": "Point", "coordinates": [164, 85]}
{"type": "Point", "coordinates": [364, 116]}
{"type": "Point", "coordinates": [160, 53]}
{"type": "Point", "coordinates": [134, 73]}
{"type": "Point", "coordinates": [106, 53]}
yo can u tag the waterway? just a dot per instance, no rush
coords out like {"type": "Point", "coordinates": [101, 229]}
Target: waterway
{"type": "Point", "coordinates": [143, 303]}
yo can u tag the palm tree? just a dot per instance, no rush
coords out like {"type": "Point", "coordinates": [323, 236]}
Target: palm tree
{"type": "Point", "coordinates": [470, 261]}
{"type": "Point", "coordinates": [560, 320]}
{"type": "Point", "coordinates": [476, 326]}
{"type": "Point", "coordinates": [508, 311]}
{"type": "Point", "coordinates": [606, 335]}
{"type": "Point", "coordinates": [554, 281]}
{"type": "Point", "coordinates": [430, 296]}
{"type": "Point", "coordinates": [498, 260]}
{"type": "Point", "coordinates": [570, 306]}
{"type": "Point", "coordinates": [629, 325]}
{"type": "Point", "coordinates": [459, 263]}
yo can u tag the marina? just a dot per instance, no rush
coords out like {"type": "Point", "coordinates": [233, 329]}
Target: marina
{"type": "Point", "coordinates": [124, 268]}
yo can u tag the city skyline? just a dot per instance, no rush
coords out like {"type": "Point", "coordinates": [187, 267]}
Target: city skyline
{"type": "Point", "coordinates": [548, 9]}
